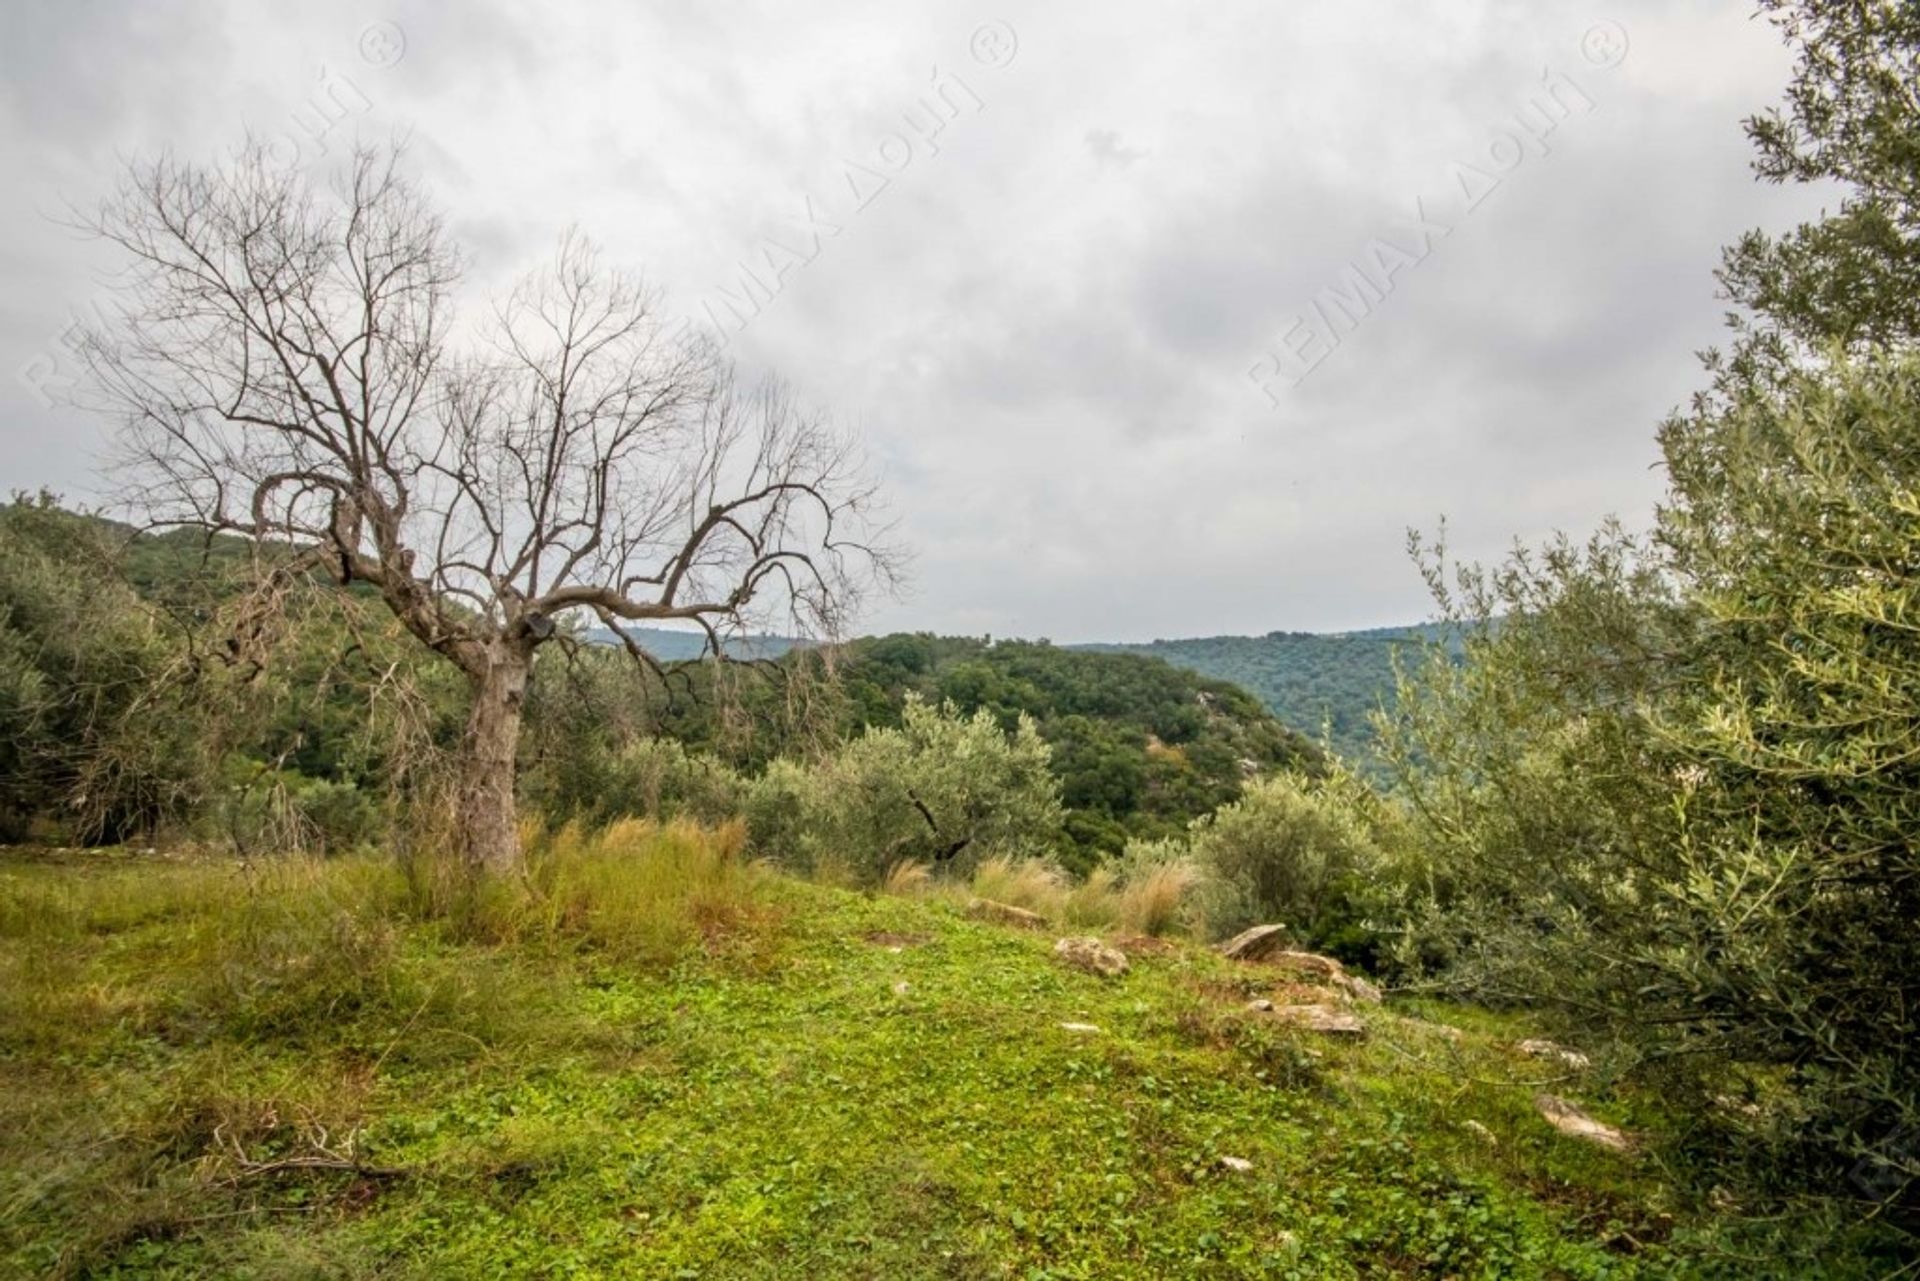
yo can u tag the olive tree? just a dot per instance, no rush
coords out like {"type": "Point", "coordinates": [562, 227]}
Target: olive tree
{"type": "Point", "coordinates": [287, 364]}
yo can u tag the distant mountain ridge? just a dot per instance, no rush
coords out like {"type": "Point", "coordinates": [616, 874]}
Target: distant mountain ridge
{"type": "Point", "coordinates": [670, 645]}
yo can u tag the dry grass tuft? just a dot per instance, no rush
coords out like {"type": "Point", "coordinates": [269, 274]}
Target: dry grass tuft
{"type": "Point", "coordinates": [646, 891]}
{"type": "Point", "coordinates": [1154, 900]}
{"type": "Point", "coordinates": [1094, 903]}
{"type": "Point", "coordinates": [908, 878]}
{"type": "Point", "coordinates": [1032, 883]}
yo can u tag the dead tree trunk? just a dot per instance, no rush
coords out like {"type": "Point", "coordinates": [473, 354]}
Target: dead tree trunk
{"type": "Point", "coordinates": [484, 806]}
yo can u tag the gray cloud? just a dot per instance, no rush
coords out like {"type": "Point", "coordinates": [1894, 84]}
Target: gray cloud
{"type": "Point", "coordinates": [1045, 326]}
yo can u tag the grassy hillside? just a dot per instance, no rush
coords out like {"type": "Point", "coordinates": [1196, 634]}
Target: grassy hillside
{"type": "Point", "coordinates": [1306, 679]}
{"type": "Point", "coordinates": [293, 1071]}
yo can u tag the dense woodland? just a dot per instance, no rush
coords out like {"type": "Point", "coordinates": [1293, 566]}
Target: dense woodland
{"type": "Point", "coordinates": [1328, 684]}
{"type": "Point", "coordinates": [1656, 793]}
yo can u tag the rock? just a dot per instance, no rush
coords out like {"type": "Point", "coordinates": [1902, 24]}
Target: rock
{"type": "Point", "coordinates": [1570, 1120]}
{"type": "Point", "coordinates": [1143, 945]}
{"type": "Point", "coordinates": [985, 909]}
{"type": "Point", "coordinates": [1325, 967]}
{"type": "Point", "coordinates": [1480, 1132]}
{"type": "Point", "coordinates": [1083, 1029]}
{"type": "Point", "coordinates": [1549, 1050]}
{"type": "Point", "coordinates": [1237, 1164]}
{"type": "Point", "coordinates": [902, 988]}
{"type": "Point", "coordinates": [1308, 963]}
{"type": "Point", "coordinates": [1260, 1006]}
{"type": "Point", "coordinates": [1091, 955]}
{"type": "Point", "coordinates": [1268, 943]}
{"type": "Point", "coordinates": [1322, 1018]}
{"type": "Point", "coordinates": [1358, 989]}
{"type": "Point", "coordinates": [1255, 944]}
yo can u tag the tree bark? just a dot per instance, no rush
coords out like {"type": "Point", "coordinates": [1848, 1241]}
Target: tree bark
{"type": "Point", "coordinates": [487, 828]}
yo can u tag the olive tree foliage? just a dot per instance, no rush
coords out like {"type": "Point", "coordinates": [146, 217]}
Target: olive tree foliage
{"type": "Point", "coordinates": [288, 365]}
{"type": "Point", "coordinates": [1671, 788]}
{"type": "Point", "coordinates": [1852, 117]}
{"type": "Point", "coordinates": [97, 738]}
{"type": "Point", "coordinates": [1797, 525]}
{"type": "Point", "coordinates": [944, 789]}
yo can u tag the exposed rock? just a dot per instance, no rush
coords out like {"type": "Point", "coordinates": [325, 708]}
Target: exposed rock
{"type": "Point", "coordinates": [1570, 1120]}
{"type": "Point", "coordinates": [1237, 1164]}
{"type": "Point", "coordinates": [1322, 1018]}
{"type": "Point", "coordinates": [1260, 1006]}
{"type": "Point", "coordinates": [1084, 1029]}
{"type": "Point", "coordinates": [902, 988]}
{"type": "Point", "coordinates": [985, 909]}
{"type": "Point", "coordinates": [1256, 944]}
{"type": "Point", "coordinates": [1480, 1132]}
{"type": "Point", "coordinates": [1268, 943]}
{"type": "Point", "coordinates": [1325, 967]}
{"type": "Point", "coordinates": [1560, 1053]}
{"type": "Point", "coordinates": [1309, 963]}
{"type": "Point", "coordinates": [1091, 955]}
{"type": "Point", "coordinates": [1358, 989]}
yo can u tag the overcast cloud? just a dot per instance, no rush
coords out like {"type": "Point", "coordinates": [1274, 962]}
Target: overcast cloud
{"type": "Point", "coordinates": [1070, 334]}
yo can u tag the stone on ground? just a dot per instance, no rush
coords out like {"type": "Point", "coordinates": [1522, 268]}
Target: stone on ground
{"type": "Point", "coordinates": [986, 909]}
{"type": "Point", "coordinates": [1092, 956]}
{"type": "Point", "coordinates": [1255, 944]}
{"type": "Point", "coordinates": [1540, 1049]}
{"type": "Point", "coordinates": [1570, 1120]}
{"type": "Point", "coordinates": [1327, 1019]}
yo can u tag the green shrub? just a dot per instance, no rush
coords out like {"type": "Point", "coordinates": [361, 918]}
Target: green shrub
{"type": "Point", "coordinates": [96, 734]}
{"type": "Point", "coordinates": [655, 778]}
{"type": "Point", "coordinates": [1290, 851]}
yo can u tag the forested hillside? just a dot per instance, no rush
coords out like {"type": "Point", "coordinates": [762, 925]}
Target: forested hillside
{"type": "Point", "coordinates": [1309, 680]}
{"type": "Point", "coordinates": [1140, 746]}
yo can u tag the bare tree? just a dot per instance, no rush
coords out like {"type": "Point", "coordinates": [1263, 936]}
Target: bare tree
{"type": "Point", "coordinates": [285, 368]}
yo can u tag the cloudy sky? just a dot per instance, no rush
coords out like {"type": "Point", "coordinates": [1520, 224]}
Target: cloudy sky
{"type": "Point", "coordinates": [1088, 278]}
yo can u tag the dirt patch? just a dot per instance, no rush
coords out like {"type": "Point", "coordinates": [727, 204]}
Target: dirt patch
{"type": "Point", "coordinates": [1144, 945]}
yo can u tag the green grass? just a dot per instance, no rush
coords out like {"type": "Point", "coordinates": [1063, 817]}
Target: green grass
{"type": "Point", "coordinates": [762, 1078]}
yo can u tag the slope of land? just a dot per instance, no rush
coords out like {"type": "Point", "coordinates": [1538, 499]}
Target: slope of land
{"type": "Point", "coordinates": [211, 1070]}
{"type": "Point", "coordinates": [1309, 680]}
